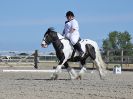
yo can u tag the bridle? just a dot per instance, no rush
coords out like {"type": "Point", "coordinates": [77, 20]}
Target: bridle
{"type": "Point", "coordinates": [53, 40]}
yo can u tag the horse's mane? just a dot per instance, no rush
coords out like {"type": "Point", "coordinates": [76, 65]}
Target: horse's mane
{"type": "Point", "coordinates": [51, 29]}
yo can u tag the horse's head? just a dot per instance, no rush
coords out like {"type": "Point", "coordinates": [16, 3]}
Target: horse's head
{"type": "Point", "coordinates": [49, 37]}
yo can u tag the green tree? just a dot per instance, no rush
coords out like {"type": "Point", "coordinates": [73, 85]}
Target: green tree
{"type": "Point", "coordinates": [118, 40]}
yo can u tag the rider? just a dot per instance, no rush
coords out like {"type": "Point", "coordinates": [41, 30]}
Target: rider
{"type": "Point", "coordinates": [71, 32]}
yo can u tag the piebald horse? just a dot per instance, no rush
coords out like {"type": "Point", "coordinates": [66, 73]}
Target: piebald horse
{"type": "Point", "coordinates": [65, 52]}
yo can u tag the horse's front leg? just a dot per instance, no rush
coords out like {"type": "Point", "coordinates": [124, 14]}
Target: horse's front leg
{"type": "Point", "coordinates": [58, 69]}
{"type": "Point", "coordinates": [72, 73]}
{"type": "Point", "coordinates": [54, 76]}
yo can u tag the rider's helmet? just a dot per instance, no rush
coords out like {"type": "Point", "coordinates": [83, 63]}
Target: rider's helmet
{"type": "Point", "coordinates": [69, 13]}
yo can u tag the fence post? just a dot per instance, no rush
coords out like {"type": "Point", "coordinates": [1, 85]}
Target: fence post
{"type": "Point", "coordinates": [128, 61]}
{"type": "Point", "coordinates": [36, 59]}
{"type": "Point", "coordinates": [108, 52]}
{"type": "Point", "coordinates": [93, 65]}
{"type": "Point", "coordinates": [121, 57]}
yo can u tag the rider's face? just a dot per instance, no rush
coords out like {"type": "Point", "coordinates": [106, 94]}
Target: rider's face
{"type": "Point", "coordinates": [69, 18]}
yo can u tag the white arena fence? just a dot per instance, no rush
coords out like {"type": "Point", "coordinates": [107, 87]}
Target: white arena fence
{"type": "Point", "coordinates": [35, 57]}
{"type": "Point", "coordinates": [23, 56]}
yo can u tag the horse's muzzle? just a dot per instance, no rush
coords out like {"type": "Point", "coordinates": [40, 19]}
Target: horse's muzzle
{"type": "Point", "coordinates": [44, 45]}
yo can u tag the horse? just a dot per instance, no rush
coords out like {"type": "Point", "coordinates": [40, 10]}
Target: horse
{"type": "Point", "coordinates": [65, 52]}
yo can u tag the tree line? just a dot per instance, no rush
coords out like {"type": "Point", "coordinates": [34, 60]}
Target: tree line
{"type": "Point", "coordinates": [118, 41]}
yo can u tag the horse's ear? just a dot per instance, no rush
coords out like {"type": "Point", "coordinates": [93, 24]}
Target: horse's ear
{"type": "Point", "coordinates": [50, 29]}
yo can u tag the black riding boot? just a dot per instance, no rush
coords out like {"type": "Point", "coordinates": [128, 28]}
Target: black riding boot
{"type": "Point", "coordinates": [77, 46]}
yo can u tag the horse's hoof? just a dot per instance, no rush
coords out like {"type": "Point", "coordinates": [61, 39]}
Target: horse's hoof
{"type": "Point", "coordinates": [102, 77]}
{"type": "Point", "coordinates": [54, 77]}
{"type": "Point", "coordinates": [79, 77]}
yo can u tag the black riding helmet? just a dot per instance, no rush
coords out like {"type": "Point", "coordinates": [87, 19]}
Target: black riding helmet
{"type": "Point", "coordinates": [69, 13]}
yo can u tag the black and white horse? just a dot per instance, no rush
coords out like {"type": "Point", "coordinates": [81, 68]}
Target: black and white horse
{"type": "Point", "coordinates": [65, 52]}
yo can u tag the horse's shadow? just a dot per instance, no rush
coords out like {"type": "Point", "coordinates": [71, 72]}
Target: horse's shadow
{"type": "Point", "coordinates": [39, 79]}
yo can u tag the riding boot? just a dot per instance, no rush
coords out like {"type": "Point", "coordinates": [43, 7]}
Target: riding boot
{"type": "Point", "coordinates": [77, 46]}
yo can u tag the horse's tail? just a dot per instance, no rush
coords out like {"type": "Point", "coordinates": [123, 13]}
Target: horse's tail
{"type": "Point", "coordinates": [102, 63]}
{"type": "Point", "coordinates": [95, 54]}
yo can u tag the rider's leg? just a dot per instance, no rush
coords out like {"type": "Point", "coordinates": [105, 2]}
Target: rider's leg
{"type": "Point", "coordinates": [74, 38]}
{"type": "Point", "coordinates": [77, 46]}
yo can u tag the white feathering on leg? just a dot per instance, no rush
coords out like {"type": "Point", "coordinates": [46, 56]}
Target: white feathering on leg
{"type": "Point", "coordinates": [82, 71]}
{"type": "Point", "coordinates": [72, 73]}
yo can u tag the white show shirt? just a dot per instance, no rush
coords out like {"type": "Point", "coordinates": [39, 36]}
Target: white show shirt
{"type": "Point", "coordinates": [73, 37]}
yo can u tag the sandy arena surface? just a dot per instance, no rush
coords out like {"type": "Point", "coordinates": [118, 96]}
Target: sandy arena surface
{"type": "Point", "coordinates": [39, 86]}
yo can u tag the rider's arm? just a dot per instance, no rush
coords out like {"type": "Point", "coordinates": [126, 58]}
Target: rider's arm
{"type": "Point", "coordinates": [63, 33]}
{"type": "Point", "coordinates": [74, 26]}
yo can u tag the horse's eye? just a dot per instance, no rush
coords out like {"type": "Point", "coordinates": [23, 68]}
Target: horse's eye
{"type": "Point", "coordinates": [47, 36]}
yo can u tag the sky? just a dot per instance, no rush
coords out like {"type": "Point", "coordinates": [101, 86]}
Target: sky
{"type": "Point", "coordinates": [24, 22]}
